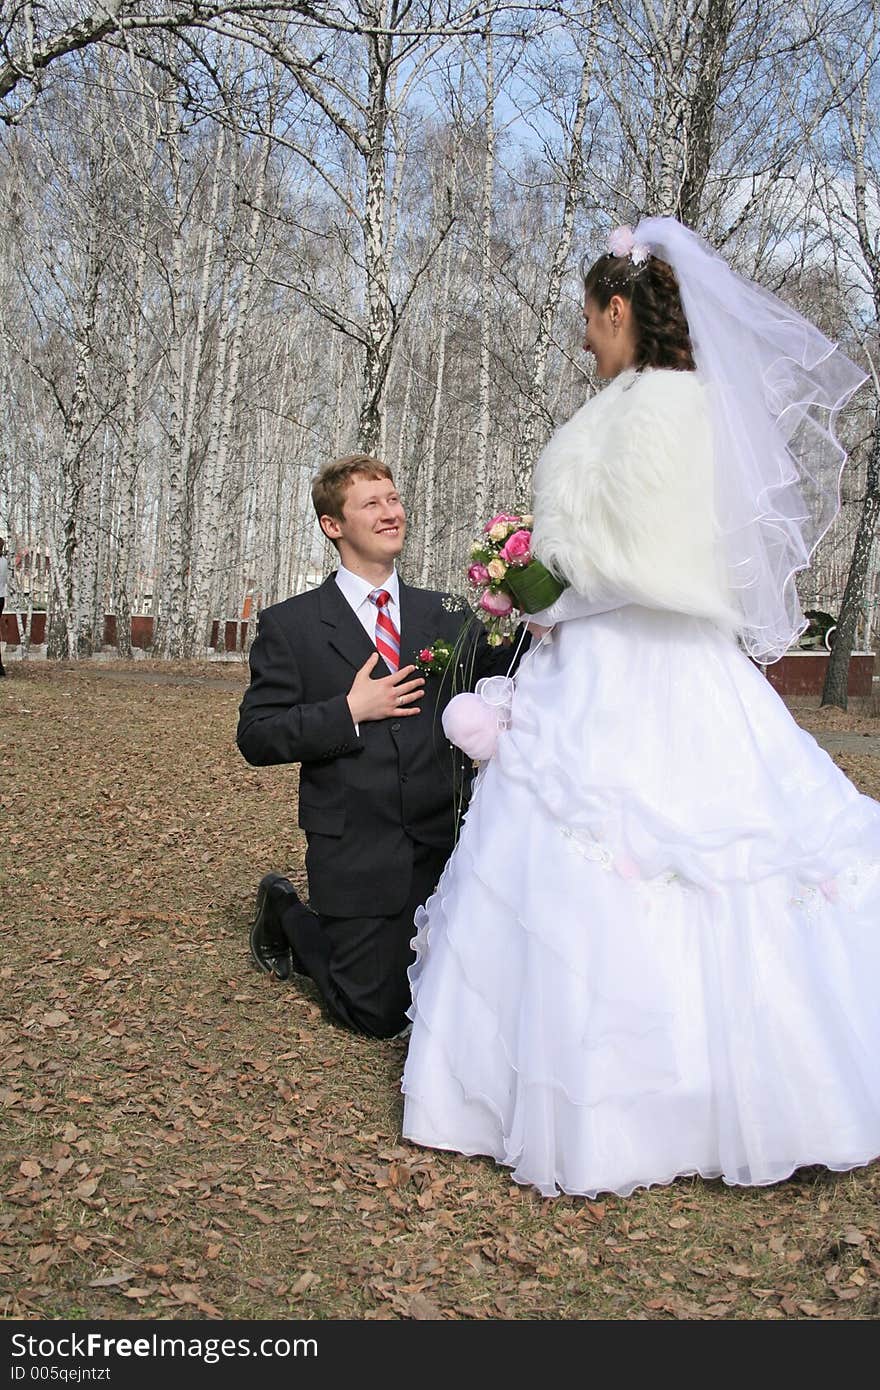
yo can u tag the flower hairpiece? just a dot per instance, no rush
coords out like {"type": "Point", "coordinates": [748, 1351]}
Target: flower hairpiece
{"type": "Point", "coordinates": [621, 242]}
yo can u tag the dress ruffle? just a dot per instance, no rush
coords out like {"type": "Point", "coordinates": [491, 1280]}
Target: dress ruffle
{"type": "Point", "coordinates": [711, 780]}
{"type": "Point", "coordinates": [651, 956]}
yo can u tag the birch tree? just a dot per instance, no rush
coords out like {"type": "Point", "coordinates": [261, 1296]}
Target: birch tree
{"type": "Point", "coordinates": [535, 414]}
{"type": "Point", "coordinates": [361, 101]}
{"type": "Point", "coordinates": [62, 271]}
{"type": "Point", "coordinates": [484, 407]}
{"type": "Point", "coordinates": [704, 94]}
{"type": "Point", "coordinates": [358, 224]}
{"type": "Point", "coordinates": [849, 142]}
{"type": "Point", "coordinates": [125, 552]}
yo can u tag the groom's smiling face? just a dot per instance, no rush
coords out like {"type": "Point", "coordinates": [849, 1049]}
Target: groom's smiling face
{"type": "Point", "coordinates": [372, 528]}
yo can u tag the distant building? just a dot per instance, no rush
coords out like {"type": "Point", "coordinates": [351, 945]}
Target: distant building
{"type": "Point", "coordinates": [30, 572]}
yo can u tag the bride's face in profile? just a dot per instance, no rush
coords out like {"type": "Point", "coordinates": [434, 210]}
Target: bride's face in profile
{"type": "Point", "coordinates": [609, 336]}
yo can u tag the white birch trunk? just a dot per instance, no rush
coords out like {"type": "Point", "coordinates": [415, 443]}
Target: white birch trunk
{"type": "Point", "coordinates": [487, 324]}
{"type": "Point", "coordinates": [91, 618]}
{"type": "Point", "coordinates": [70, 600]}
{"type": "Point", "coordinates": [170, 592]}
{"type": "Point", "coordinates": [377, 354]}
{"type": "Point", "coordinates": [536, 411]}
{"type": "Point", "coordinates": [231, 325]}
{"type": "Point", "coordinates": [175, 627]}
{"type": "Point", "coordinates": [430, 488]}
{"type": "Point", "coordinates": [125, 557]}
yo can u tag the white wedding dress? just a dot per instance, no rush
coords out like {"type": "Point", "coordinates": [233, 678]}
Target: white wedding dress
{"type": "Point", "coordinates": [655, 950]}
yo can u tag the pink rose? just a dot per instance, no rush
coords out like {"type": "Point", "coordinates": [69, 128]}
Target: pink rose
{"type": "Point", "coordinates": [517, 548]}
{"type": "Point", "coordinates": [500, 519]}
{"type": "Point", "coordinates": [426, 654]}
{"type": "Point", "coordinates": [478, 575]}
{"type": "Point", "coordinates": [499, 605]}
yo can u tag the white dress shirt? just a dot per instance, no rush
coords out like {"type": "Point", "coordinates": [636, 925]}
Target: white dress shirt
{"type": "Point", "coordinates": [356, 592]}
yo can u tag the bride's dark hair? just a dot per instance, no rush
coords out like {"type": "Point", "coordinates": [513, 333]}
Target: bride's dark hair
{"type": "Point", "coordinates": [662, 335]}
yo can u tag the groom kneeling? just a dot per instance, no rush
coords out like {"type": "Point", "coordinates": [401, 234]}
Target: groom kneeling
{"type": "Point", "coordinates": [334, 688]}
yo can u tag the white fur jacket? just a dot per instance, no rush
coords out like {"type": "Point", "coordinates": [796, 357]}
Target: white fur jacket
{"type": "Point", "coordinates": [623, 501]}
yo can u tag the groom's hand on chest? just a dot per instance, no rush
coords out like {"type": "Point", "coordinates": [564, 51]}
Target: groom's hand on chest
{"type": "Point", "coordinates": [387, 696]}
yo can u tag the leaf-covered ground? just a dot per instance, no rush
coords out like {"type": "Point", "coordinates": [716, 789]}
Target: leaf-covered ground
{"type": "Point", "coordinates": [182, 1137]}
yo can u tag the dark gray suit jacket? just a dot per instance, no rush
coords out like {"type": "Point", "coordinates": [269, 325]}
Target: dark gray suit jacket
{"type": "Point", "coordinates": [363, 797]}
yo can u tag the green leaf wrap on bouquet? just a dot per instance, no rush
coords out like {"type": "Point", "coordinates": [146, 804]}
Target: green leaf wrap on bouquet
{"type": "Point", "coordinates": [533, 587]}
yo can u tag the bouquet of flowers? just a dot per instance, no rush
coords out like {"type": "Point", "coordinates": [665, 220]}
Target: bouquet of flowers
{"type": "Point", "coordinates": [503, 576]}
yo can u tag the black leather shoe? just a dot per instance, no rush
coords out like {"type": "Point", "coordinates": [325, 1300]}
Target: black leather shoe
{"type": "Point", "coordinates": [271, 952]}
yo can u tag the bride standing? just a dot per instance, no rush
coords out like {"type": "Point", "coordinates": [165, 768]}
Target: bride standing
{"type": "Point", "coordinates": [656, 948]}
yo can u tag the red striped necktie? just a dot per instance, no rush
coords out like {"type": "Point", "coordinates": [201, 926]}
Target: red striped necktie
{"type": "Point", "coordinates": [387, 636]}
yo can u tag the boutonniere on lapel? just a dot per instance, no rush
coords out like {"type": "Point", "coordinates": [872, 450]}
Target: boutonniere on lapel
{"type": "Point", "coordinates": [441, 656]}
{"type": "Point", "coordinates": [436, 659]}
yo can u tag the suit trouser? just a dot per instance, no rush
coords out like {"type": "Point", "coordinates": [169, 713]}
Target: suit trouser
{"type": "Point", "coordinates": [359, 964]}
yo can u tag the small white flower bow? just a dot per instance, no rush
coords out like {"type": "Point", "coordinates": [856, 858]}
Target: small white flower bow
{"type": "Point", "coordinates": [621, 242]}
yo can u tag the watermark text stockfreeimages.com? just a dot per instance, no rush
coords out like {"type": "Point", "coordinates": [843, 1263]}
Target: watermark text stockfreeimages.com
{"type": "Point", "coordinates": [97, 1345]}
